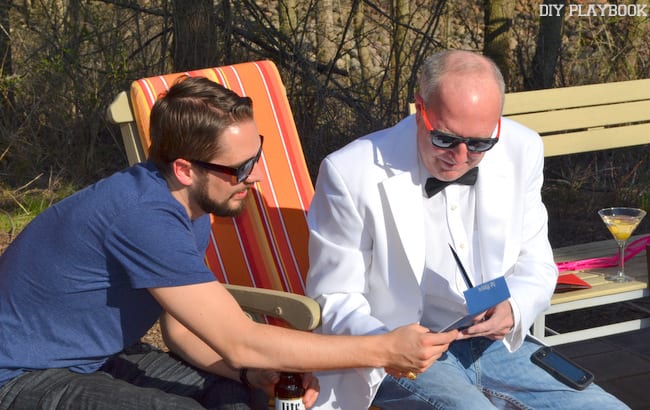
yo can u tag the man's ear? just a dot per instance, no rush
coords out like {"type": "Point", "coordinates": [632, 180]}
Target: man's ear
{"type": "Point", "coordinates": [182, 171]}
{"type": "Point", "coordinates": [419, 103]}
{"type": "Point", "coordinates": [419, 108]}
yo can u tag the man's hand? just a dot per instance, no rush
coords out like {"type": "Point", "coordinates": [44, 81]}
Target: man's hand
{"type": "Point", "coordinates": [263, 379]}
{"type": "Point", "coordinates": [494, 323]}
{"type": "Point", "coordinates": [312, 388]}
{"type": "Point", "coordinates": [266, 380]}
{"type": "Point", "coordinates": [415, 348]}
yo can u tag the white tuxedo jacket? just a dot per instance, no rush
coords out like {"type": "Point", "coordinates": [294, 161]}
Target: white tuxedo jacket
{"type": "Point", "coordinates": [367, 246]}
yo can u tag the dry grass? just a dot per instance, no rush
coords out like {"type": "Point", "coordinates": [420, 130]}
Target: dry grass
{"type": "Point", "coordinates": [154, 337]}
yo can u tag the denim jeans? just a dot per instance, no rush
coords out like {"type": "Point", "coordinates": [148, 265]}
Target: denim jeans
{"type": "Point", "coordinates": [140, 378]}
{"type": "Point", "coordinates": [479, 373]}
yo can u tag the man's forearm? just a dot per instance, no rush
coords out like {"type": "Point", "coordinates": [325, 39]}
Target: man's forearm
{"type": "Point", "coordinates": [194, 351]}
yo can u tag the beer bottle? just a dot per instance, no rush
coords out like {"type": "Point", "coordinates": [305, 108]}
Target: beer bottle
{"type": "Point", "coordinates": [289, 392]}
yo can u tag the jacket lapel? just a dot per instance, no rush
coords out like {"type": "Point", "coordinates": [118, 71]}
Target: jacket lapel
{"type": "Point", "coordinates": [494, 205]}
{"type": "Point", "coordinates": [402, 197]}
{"type": "Point", "coordinates": [404, 220]}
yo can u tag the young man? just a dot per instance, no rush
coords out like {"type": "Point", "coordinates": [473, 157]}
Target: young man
{"type": "Point", "coordinates": [455, 173]}
{"type": "Point", "coordinates": [90, 275]}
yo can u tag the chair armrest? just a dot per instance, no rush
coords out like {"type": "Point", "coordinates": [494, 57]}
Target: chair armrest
{"type": "Point", "coordinates": [301, 312]}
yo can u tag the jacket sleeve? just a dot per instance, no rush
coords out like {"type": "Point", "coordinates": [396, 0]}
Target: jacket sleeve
{"type": "Point", "coordinates": [340, 249]}
{"type": "Point", "coordinates": [533, 275]}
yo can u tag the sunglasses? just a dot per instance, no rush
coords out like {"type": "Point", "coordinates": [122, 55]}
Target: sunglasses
{"type": "Point", "coordinates": [241, 172]}
{"type": "Point", "coordinates": [448, 141]}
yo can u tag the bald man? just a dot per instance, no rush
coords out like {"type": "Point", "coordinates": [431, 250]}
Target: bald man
{"type": "Point", "coordinates": [387, 208]}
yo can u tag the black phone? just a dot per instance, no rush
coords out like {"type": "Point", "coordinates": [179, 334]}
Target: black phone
{"type": "Point", "coordinates": [562, 368]}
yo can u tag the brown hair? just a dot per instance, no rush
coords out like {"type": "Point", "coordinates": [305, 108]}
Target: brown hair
{"type": "Point", "coordinates": [187, 121]}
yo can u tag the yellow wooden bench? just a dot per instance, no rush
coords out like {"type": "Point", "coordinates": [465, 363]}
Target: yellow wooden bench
{"type": "Point", "coordinates": [581, 119]}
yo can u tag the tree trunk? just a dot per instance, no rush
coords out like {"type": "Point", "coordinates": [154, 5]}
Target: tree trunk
{"type": "Point", "coordinates": [5, 39]}
{"type": "Point", "coordinates": [360, 43]}
{"type": "Point", "coordinates": [325, 34]}
{"type": "Point", "coordinates": [196, 42]}
{"type": "Point", "coordinates": [399, 50]}
{"type": "Point", "coordinates": [287, 17]}
{"type": "Point", "coordinates": [7, 100]}
{"type": "Point", "coordinates": [549, 41]}
{"type": "Point", "coordinates": [498, 21]}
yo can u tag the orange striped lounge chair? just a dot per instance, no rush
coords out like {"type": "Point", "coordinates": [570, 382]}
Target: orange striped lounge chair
{"type": "Point", "coordinates": [260, 255]}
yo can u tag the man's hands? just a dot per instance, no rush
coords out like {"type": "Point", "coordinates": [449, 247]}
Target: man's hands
{"type": "Point", "coordinates": [411, 350]}
{"type": "Point", "coordinates": [494, 323]}
{"type": "Point", "coordinates": [414, 348]}
{"type": "Point", "coordinates": [266, 380]}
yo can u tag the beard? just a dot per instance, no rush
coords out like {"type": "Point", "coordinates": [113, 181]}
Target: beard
{"type": "Point", "coordinates": [208, 205]}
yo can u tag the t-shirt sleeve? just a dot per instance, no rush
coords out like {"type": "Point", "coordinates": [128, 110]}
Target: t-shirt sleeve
{"type": "Point", "coordinates": [158, 246]}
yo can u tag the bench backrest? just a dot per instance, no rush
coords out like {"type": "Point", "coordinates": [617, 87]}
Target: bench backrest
{"type": "Point", "coordinates": [265, 246]}
{"type": "Point", "coordinates": [585, 118]}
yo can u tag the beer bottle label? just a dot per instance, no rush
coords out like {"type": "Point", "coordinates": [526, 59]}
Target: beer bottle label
{"type": "Point", "coordinates": [289, 404]}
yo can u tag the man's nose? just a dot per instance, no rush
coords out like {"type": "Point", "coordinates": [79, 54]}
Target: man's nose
{"type": "Point", "coordinates": [460, 152]}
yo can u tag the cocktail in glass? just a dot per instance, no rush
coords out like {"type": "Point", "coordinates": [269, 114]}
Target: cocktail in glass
{"type": "Point", "coordinates": [621, 223]}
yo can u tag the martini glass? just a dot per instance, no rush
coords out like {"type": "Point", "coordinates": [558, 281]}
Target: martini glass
{"type": "Point", "coordinates": [621, 222]}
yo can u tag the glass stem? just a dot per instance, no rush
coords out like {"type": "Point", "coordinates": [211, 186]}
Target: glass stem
{"type": "Point", "coordinates": [621, 259]}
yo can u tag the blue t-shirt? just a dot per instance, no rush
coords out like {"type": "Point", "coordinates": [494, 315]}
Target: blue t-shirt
{"type": "Point", "coordinates": [73, 284]}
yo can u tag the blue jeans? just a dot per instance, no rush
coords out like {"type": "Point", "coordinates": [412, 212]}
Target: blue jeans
{"type": "Point", "coordinates": [140, 378]}
{"type": "Point", "coordinates": [479, 373]}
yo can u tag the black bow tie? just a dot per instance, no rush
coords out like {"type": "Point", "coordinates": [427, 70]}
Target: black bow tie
{"type": "Point", "coordinates": [434, 185]}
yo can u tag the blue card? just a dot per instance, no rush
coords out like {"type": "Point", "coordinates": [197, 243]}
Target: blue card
{"type": "Point", "coordinates": [482, 297]}
{"type": "Point", "coordinates": [479, 299]}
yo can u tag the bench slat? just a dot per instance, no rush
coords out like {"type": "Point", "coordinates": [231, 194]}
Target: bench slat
{"type": "Point", "coordinates": [586, 117]}
{"type": "Point", "coordinates": [595, 139]}
{"type": "Point", "coordinates": [577, 96]}
{"type": "Point", "coordinates": [599, 287]}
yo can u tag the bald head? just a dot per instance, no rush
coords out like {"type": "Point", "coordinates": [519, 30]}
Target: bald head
{"type": "Point", "coordinates": [461, 94]}
{"type": "Point", "coordinates": [458, 69]}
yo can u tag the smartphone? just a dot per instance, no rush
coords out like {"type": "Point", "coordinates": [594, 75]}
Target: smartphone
{"type": "Point", "coordinates": [562, 368]}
